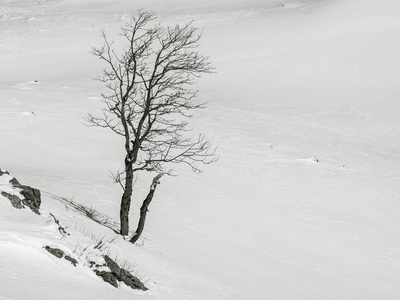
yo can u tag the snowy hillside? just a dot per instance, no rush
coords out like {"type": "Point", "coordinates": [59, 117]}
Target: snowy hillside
{"type": "Point", "coordinates": [304, 201]}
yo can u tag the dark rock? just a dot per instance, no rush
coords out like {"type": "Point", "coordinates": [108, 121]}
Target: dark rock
{"type": "Point", "coordinates": [71, 259]}
{"type": "Point", "coordinates": [108, 277]}
{"type": "Point", "coordinates": [2, 172]}
{"type": "Point", "coordinates": [32, 198]}
{"type": "Point", "coordinates": [131, 280]}
{"type": "Point", "coordinates": [59, 253]}
{"type": "Point", "coordinates": [14, 182]}
{"type": "Point", "coordinates": [112, 265]}
{"type": "Point", "coordinates": [56, 252]}
{"type": "Point", "coordinates": [15, 200]}
{"type": "Point", "coordinates": [93, 264]}
{"type": "Point", "coordinates": [124, 275]}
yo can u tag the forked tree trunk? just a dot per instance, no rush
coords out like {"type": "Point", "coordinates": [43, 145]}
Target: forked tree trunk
{"type": "Point", "coordinates": [126, 200]}
{"type": "Point", "coordinates": [144, 209]}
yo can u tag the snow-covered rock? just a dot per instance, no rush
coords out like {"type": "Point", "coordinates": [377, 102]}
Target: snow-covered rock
{"type": "Point", "coordinates": [18, 194]}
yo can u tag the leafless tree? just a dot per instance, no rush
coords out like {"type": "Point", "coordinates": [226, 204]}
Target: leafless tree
{"type": "Point", "coordinates": [150, 98]}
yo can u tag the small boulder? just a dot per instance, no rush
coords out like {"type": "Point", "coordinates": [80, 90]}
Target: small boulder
{"type": "Point", "coordinates": [60, 254]}
{"type": "Point", "coordinates": [14, 182]}
{"type": "Point", "coordinates": [112, 265]}
{"type": "Point", "coordinates": [56, 252]}
{"type": "Point", "coordinates": [32, 198]}
{"type": "Point", "coordinates": [124, 275]}
{"type": "Point", "coordinates": [15, 200]}
{"type": "Point", "coordinates": [2, 172]}
{"type": "Point", "coordinates": [131, 280]}
{"type": "Point", "coordinates": [108, 277]}
{"type": "Point", "coordinates": [71, 259]}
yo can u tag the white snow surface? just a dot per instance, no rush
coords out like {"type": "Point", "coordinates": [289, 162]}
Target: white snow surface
{"type": "Point", "coordinates": [304, 201]}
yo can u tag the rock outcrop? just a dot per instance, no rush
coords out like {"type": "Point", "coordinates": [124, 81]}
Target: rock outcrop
{"type": "Point", "coordinates": [15, 200]}
{"type": "Point", "coordinates": [2, 172]}
{"type": "Point", "coordinates": [23, 195]}
{"type": "Point", "coordinates": [55, 251]}
{"type": "Point", "coordinates": [60, 254]}
{"type": "Point", "coordinates": [111, 272]}
{"type": "Point", "coordinates": [120, 274]}
{"type": "Point", "coordinates": [108, 277]}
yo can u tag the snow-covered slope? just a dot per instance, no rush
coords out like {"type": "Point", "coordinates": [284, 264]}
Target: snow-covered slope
{"type": "Point", "coordinates": [304, 201]}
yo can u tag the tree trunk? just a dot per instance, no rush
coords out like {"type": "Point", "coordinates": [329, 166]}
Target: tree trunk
{"type": "Point", "coordinates": [126, 200]}
{"type": "Point", "coordinates": [144, 209]}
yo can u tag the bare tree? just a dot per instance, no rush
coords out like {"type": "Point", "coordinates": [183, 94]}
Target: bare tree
{"type": "Point", "coordinates": [150, 98]}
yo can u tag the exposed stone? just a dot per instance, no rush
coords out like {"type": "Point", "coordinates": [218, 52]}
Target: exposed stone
{"type": "Point", "coordinates": [112, 265]}
{"type": "Point", "coordinates": [71, 259]}
{"type": "Point", "coordinates": [131, 280]}
{"type": "Point", "coordinates": [108, 277]}
{"type": "Point", "coordinates": [56, 252]}
{"type": "Point", "coordinates": [15, 200]}
{"type": "Point", "coordinates": [2, 172]}
{"type": "Point", "coordinates": [60, 254]}
{"type": "Point", "coordinates": [124, 275]}
{"type": "Point", "coordinates": [14, 182]}
{"type": "Point", "coordinates": [32, 196]}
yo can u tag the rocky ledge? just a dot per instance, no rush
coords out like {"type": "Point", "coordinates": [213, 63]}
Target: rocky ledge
{"type": "Point", "coordinates": [110, 271]}
{"type": "Point", "coordinates": [20, 195]}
